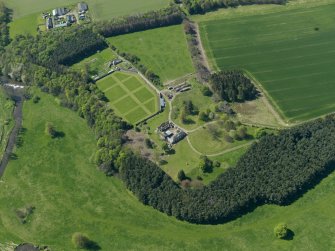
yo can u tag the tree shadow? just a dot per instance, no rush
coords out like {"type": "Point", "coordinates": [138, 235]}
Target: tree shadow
{"type": "Point", "coordinates": [93, 246]}
{"type": "Point", "coordinates": [59, 134]}
{"type": "Point", "coordinates": [289, 236]}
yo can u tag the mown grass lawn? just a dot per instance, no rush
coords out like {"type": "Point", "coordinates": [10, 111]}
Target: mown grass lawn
{"type": "Point", "coordinates": [129, 96]}
{"type": "Point", "coordinates": [57, 177]}
{"type": "Point", "coordinates": [163, 50]}
{"type": "Point", "coordinates": [290, 53]}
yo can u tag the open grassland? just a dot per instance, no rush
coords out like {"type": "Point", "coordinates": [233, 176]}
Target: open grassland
{"type": "Point", "coordinates": [290, 53]}
{"type": "Point", "coordinates": [100, 9]}
{"type": "Point", "coordinates": [70, 195]}
{"type": "Point", "coordinates": [97, 64]}
{"type": "Point", "coordinates": [162, 50]}
{"type": "Point", "coordinates": [6, 120]}
{"type": "Point", "coordinates": [129, 96]}
{"type": "Point", "coordinates": [204, 141]}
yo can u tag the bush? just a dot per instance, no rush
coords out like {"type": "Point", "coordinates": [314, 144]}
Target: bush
{"type": "Point", "coordinates": [148, 143]}
{"type": "Point", "coordinates": [181, 175]}
{"type": "Point", "coordinates": [36, 99]}
{"type": "Point", "coordinates": [50, 130]}
{"type": "Point", "coordinates": [80, 241]}
{"type": "Point", "coordinates": [281, 231]}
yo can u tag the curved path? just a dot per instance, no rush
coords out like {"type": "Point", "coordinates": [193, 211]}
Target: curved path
{"type": "Point", "coordinates": [17, 114]}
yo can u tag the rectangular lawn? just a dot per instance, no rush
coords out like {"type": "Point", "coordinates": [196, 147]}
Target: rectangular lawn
{"type": "Point", "coordinates": [290, 53]}
{"type": "Point", "coordinates": [130, 96]}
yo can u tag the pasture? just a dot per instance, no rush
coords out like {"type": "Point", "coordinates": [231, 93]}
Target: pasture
{"type": "Point", "coordinates": [290, 53]}
{"type": "Point", "coordinates": [129, 96]}
{"type": "Point", "coordinates": [6, 120]}
{"type": "Point", "coordinates": [100, 9]}
{"type": "Point", "coordinates": [162, 50]}
{"type": "Point", "coordinates": [57, 177]}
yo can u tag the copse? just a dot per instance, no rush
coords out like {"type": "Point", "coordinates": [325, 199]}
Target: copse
{"type": "Point", "coordinates": [278, 169]}
{"type": "Point", "coordinates": [5, 18]}
{"type": "Point", "coordinates": [232, 86]}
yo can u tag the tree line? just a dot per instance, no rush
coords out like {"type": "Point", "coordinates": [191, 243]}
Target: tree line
{"type": "Point", "coordinates": [232, 86]}
{"type": "Point", "coordinates": [140, 22]}
{"type": "Point", "coordinates": [25, 60]}
{"type": "Point", "coordinates": [203, 6]}
{"type": "Point", "coordinates": [5, 18]}
{"type": "Point", "coordinates": [276, 170]}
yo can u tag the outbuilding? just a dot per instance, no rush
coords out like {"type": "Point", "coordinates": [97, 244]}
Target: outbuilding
{"type": "Point", "coordinates": [82, 7]}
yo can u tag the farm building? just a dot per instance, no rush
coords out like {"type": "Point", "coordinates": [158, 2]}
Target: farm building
{"type": "Point", "coordinates": [82, 7]}
{"type": "Point", "coordinates": [59, 12]}
{"type": "Point", "coordinates": [49, 23]}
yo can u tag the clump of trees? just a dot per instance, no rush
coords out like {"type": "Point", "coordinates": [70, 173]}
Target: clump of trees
{"type": "Point", "coordinates": [153, 19]}
{"type": "Point", "coordinates": [232, 86]}
{"type": "Point", "coordinates": [203, 73]}
{"type": "Point", "coordinates": [278, 169]}
{"type": "Point", "coordinates": [205, 164]}
{"type": "Point", "coordinates": [203, 6]}
{"type": "Point", "coordinates": [5, 18]}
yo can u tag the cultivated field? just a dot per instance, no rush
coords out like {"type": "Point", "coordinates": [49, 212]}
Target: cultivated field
{"type": "Point", "coordinates": [6, 120]}
{"type": "Point", "coordinates": [71, 195]}
{"type": "Point", "coordinates": [163, 50]}
{"type": "Point", "coordinates": [129, 96]}
{"type": "Point", "coordinates": [290, 53]}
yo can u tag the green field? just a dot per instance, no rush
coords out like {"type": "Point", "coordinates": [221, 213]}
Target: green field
{"type": "Point", "coordinates": [290, 53]}
{"type": "Point", "coordinates": [70, 195]}
{"type": "Point", "coordinates": [6, 120]}
{"type": "Point", "coordinates": [27, 13]}
{"type": "Point", "coordinates": [129, 96]}
{"type": "Point", "coordinates": [163, 50]}
{"type": "Point", "coordinates": [97, 64]}
{"type": "Point", "coordinates": [100, 9]}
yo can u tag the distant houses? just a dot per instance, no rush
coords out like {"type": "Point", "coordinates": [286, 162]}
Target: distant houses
{"type": "Point", "coordinates": [59, 12]}
{"type": "Point", "coordinates": [62, 16]}
{"type": "Point", "coordinates": [82, 7]}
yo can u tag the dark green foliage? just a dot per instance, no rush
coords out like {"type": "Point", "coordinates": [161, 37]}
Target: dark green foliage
{"type": "Point", "coordinates": [36, 99]}
{"type": "Point", "coordinates": [206, 91]}
{"type": "Point", "coordinates": [277, 169]}
{"type": "Point", "coordinates": [232, 86]}
{"type": "Point", "coordinates": [5, 18]}
{"type": "Point", "coordinates": [205, 164]}
{"type": "Point", "coordinates": [148, 143]}
{"type": "Point", "coordinates": [190, 108]}
{"type": "Point", "coordinates": [181, 175]}
{"type": "Point", "coordinates": [203, 6]}
{"type": "Point", "coordinates": [153, 19]}
{"type": "Point", "coordinates": [24, 60]}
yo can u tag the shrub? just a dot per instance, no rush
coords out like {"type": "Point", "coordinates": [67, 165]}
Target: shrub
{"type": "Point", "coordinates": [181, 175]}
{"type": "Point", "coordinates": [281, 231]}
{"type": "Point", "coordinates": [50, 130]}
{"type": "Point", "coordinates": [80, 241]}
